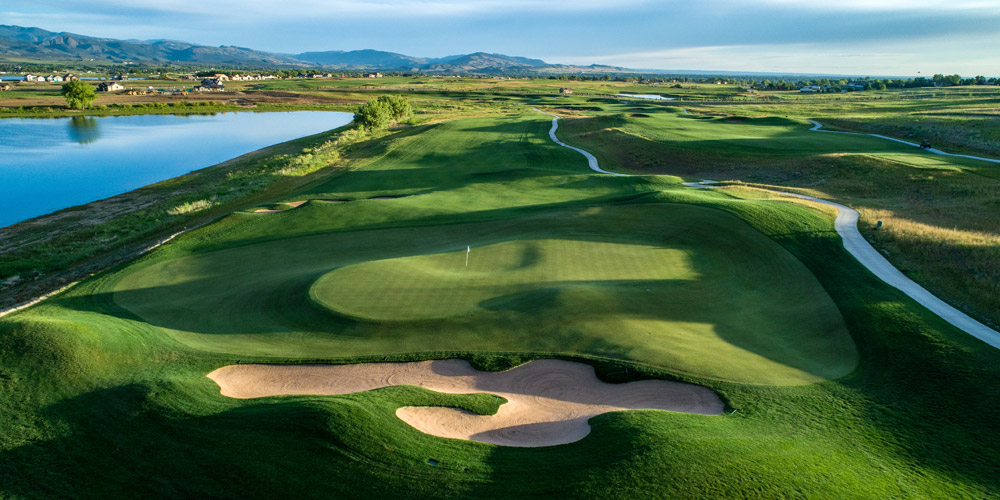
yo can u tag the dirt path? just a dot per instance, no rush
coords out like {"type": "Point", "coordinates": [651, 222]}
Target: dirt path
{"type": "Point", "coordinates": [549, 402]}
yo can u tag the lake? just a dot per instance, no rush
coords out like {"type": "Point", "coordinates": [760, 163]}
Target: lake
{"type": "Point", "coordinates": [47, 164]}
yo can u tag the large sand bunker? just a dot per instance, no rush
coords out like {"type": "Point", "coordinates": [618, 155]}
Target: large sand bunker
{"type": "Point", "coordinates": [549, 401]}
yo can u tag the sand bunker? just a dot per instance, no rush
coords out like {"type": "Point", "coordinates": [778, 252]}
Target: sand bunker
{"type": "Point", "coordinates": [549, 401]}
{"type": "Point", "coordinates": [293, 204]}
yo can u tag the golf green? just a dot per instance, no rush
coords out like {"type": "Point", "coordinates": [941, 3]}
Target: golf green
{"type": "Point", "coordinates": [687, 288]}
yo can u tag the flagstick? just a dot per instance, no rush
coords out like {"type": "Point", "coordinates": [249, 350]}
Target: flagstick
{"type": "Point", "coordinates": [467, 250]}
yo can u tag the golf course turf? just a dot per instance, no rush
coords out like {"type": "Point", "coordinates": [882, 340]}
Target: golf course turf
{"type": "Point", "coordinates": [835, 385]}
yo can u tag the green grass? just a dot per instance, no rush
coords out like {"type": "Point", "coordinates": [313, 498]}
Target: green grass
{"type": "Point", "coordinates": [653, 283]}
{"type": "Point", "coordinates": [104, 392]}
{"type": "Point", "coordinates": [951, 200]}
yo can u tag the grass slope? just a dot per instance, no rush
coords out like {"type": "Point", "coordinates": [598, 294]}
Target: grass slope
{"type": "Point", "coordinates": [939, 213]}
{"type": "Point", "coordinates": [100, 403]}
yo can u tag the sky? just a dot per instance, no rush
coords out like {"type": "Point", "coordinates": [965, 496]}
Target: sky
{"type": "Point", "coordinates": [848, 37]}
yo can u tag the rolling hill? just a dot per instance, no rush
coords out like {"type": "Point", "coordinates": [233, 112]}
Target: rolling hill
{"type": "Point", "coordinates": [35, 44]}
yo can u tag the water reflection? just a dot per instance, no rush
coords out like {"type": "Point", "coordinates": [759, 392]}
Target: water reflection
{"type": "Point", "coordinates": [50, 164]}
{"type": "Point", "coordinates": [84, 129]}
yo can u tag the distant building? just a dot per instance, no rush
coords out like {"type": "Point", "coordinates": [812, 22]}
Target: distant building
{"type": "Point", "coordinates": [565, 90]}
{"type": "Point", "coordinates": [373, 75]}
{"type": "Point", "coordinates": [109, 87]}
{"type": "Point", "coordinates": [70, 77]}
{"type": "Point", "coordinates": [211, 85]}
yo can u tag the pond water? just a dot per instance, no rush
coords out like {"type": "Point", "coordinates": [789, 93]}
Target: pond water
{"type": "Point", "coordinates": [47, 164]}
{"type": "Point", "coordinates": [647, 96]}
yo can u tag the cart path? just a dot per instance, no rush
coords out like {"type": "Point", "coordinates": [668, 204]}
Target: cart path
{"type": "Point", "coordinates": [846, 225]}
{"type": "Point", "coordinates": [817, 126]}
{"type": "Point", "coordinates": [591, 160]}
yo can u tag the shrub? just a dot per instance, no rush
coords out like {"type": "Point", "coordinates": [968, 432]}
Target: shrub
{"type": "Point", "coordinates": [380, 113]}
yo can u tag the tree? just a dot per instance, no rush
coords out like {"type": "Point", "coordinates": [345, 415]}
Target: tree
{"type": "Point", "coordinates": [78, 95]}
{"type": "Point", "coordinates": [374, 115]}
{"type": "Point", "coordinates": [401, 109]}
{"type": "Point", "coordinates": [379, 113]}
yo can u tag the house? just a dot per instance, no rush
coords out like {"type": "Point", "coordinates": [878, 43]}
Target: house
{"type": "Point", "coordinates": [29, 77]}
{"type": "Point", "coordinates": [221, 77]}
{"type": "Point", "coordinates": [109, 87]}
{"type": "Point", "coordinates": [120, 78]}
{"type": "Point", "coordinates": [373, 75]}
{"type": "Point", "coordinates": [565, 91]}
{"type": "Point", "coordinates": [211, 85]}
{"type": "Point", "coordinates": [70, 77]}
{"type": "Point", "coordinates": [53, 78]}
{"type": "Point", "coordinates": [809, 89]}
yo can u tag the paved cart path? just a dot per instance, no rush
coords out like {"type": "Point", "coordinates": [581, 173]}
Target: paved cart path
{"type": "Point", "coordinates": [817, 126]}
{"type": "Point", "coordinates": [846, 225]}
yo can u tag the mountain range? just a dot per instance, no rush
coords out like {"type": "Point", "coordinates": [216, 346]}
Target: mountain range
{"type": "Point", "coordinates": [35, 44]}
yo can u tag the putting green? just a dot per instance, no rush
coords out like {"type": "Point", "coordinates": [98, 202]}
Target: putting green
{"type": "Point", "coordinates": [441, 285]}
{"type": "Point", "coordinates": [689, 288]}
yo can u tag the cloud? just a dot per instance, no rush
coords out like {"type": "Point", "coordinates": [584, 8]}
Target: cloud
{"type": "Point", "coordinates": [881, 5]}
{"type": "Point", "coordinates": [883, 37]}
{"type": "Point", "coordinates": [967, 56]}
{"type": "Point", "coordinates": [320, 9]}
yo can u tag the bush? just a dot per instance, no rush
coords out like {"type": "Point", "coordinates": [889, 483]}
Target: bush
{"type": "Point", "coordinates": [380, 113]}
